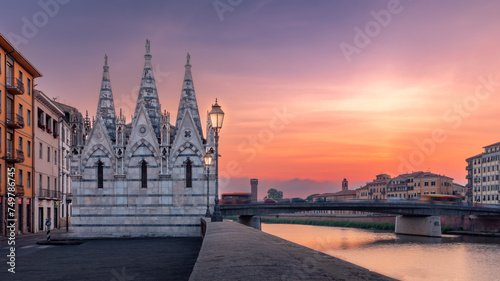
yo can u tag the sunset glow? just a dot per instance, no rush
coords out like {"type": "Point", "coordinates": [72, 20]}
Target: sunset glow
{"type": "Point", "coordinates": [423, 94]}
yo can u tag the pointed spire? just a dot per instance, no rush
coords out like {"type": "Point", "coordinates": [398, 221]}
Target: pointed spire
{"type": "Point", "coordinates": [106, 106]}
{"type": "Point", "coordinates": [148, 93]}
{"type": "Point", "coordinates": [188, 99]}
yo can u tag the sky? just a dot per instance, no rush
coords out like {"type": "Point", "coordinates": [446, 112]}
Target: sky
{"type": "Point", "coordinates": [314, 92]}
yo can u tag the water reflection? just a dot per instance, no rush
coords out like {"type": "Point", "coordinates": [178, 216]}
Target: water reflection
{"type": "Point", "coordinates": [401, 256]}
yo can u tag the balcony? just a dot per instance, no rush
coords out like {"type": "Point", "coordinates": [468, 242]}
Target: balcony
{"type": "Point", "coordinates": [15, 122]}
{"type": "Point", "coordinates": [49, 194]}
{"type": "Point", "coordinates": [14, 156]}
{"type": "Point", "coordinates": [468, 177]}
{"type": "Point", "coordinates": [468, 167]}
{"type": "Point", "coordinates": [19, 190]}
{"type": "Point", "coordinates": [15, 86]}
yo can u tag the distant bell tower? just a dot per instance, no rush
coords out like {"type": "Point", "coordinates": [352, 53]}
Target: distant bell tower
{"type": "Point", "coordinates": [253, 184]}
{"type": "Point", "coordinates": [345, 184]}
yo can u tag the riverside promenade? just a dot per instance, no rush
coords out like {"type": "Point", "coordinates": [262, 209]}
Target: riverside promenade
{"type": "Point", "coordinates": [232, 251]}
{"type": "Point", "coordinates": [228, 251]}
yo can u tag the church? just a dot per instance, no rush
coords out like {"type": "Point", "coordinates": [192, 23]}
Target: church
{"type": "Point", "coordinates": [145, 177]}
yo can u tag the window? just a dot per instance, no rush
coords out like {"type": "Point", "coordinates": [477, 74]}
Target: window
{"type": "Point", "coordinates": [48, 182]}
{"type": "Point", "coordinates": [55, 157]}
{"type": "Point", "coordinates": [20, 177]}
{"type": "Point", "coordinates": [20, 110]}
{"type": "Point", "coordinates": [29, 148]}
{"type": "Point", "coordinates": [28, 86]}
{"type": "Point", "coordinates": [189, 174]}
{"type": "Point", "coordinates": [28, 179]}
{"type": "Point", "coordinates": [0, 172]}
{"type": "Point", "coordinates": [0, 139]}
{"type": "Point", "coordinates": [433, 183]}
{"type": "Point", "coordinates": [20, 144]}
{"type": "Point", "coordinates": [426, 183]}
{"type": "Point", "coordinates": [144, 174]}
{"type": "Point", "coordinates": [100, 175]}
{"type": "Point", "coordinates": [40, 181]}
{"type": "Point", "coordinates": [28, 116]}
{"type": "Point", "coordinates": [48, 154]}
{"type": "Point", "coordinates": [41, 151]}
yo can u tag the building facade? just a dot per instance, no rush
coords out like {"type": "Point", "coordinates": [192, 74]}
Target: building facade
{"type": "Point", "coordinates": [483, 176]}
{"type": "Point", "coordinates": [412, 186]}
{"type": "Point", "coordinates": [17, 77]}
{"type": "Point", "coordinates": [143, 178]}
{"type": "Point", "coordinates": [377, 189]}
{"type": "Point", "coordinates": [47, 162]}
{"type": "Point", "coordinates": [64, 160]}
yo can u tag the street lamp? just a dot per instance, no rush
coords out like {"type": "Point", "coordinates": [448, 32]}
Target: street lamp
{"type": "Point", "coordinates": [216, 118]}
{"type": "Point", "coordinates": [208, 162]}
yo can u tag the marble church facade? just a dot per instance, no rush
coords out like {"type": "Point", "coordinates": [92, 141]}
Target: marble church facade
{"type": "Point", "coordinates": [143, 178]}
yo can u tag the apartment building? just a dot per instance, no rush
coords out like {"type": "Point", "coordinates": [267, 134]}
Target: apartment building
{"type": "Point", "coordinates": [377, 189]}
{"type": "Point", "coordinates": [483, 176]}
{"type": "Point", "coordinates": [47, 163]}
{"type": "Point", "coordinates": [17, 77]}
{"type": "Point", "coordinates": [414, 185]}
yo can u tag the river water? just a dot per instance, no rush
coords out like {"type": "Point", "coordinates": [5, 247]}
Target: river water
{"type": "Point", "coordinates": [402, 257]}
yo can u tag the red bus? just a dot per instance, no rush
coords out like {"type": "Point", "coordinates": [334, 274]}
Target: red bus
{"type": "Point", "coordinates": [236, 198]}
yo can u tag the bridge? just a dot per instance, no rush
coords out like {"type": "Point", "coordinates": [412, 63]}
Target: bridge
{"type": "Point", "coordinates": [416, 218]}
{"type": "Point", "coordinates": [396, 208]}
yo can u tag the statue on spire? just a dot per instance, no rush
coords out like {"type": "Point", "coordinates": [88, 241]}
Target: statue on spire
{"type": "Point", "coordinates": [105, 60]}
{"type": "Point", "coordinates": [148, 48]}
{"type": "Point", "coordinates": [188, 59]}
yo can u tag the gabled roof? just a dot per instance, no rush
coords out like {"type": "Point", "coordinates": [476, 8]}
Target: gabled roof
{"type": "Point", "coordinates": [14, 53]}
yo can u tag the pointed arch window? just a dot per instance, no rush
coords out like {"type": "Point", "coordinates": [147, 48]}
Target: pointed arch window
{"type": "Point", "coordinates": [144, 174]}
{"type": "Point", "coordinates": [189, 173]}
{"type": "Point", "coordinates": [100, 174]}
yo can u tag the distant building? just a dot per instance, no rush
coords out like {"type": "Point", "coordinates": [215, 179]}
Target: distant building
{"type": "Point", "coordinates": [483, 176]}
{"type": "Point", "coordinates": [17, 80]}
{"type": "Point", "coordinates": [414, 185]}
{"type": "Point", "coordinates": [344, 194]}
{"type": "Point", "coordinates": [377, 188]}
{"type": "Point", "coordinates": [253, 185]}
{"type": "Point", "coordinates": [362, 192]}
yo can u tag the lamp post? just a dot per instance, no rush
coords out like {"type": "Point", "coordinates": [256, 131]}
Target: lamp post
{"type": "Point", "coordinates": [216, 118]}
{"type": "Point", "coordinates": [208, 162]}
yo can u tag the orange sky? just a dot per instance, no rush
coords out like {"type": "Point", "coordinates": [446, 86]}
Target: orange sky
{"type": "Point", "coordinates": [296, 107]}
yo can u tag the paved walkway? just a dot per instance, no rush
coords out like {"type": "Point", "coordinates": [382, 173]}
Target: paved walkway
{"type": "Point", "coordinates": [106, 259]}
{"type": "Point", "coordinates": [233, 252]}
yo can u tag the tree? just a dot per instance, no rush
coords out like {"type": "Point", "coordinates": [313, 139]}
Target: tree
{"type": "Point", "coordinates": [310, 197]}
{"type": "Point", "coordinates": [275, 194]}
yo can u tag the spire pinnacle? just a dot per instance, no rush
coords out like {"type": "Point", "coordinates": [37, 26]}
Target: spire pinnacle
{"type": "Point", "coordinates": [148, 94]}
{"type": "Point", "coordinates": [105, 105]}
{"type": "Point", "coordinates": [188, 99]}
{"type": "Point", "coordinates": [148, 47]}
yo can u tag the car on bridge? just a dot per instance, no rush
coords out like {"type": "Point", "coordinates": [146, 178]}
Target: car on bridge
{"type": "Point", "coordinates": [298, 200]}
{"type": "Point", "coordinates": [269, 201]}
